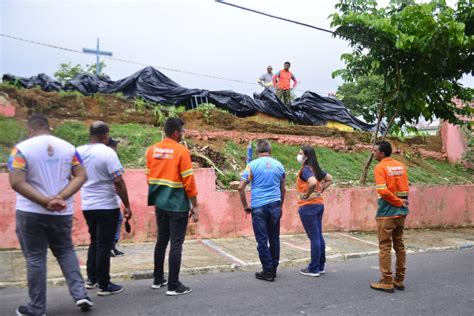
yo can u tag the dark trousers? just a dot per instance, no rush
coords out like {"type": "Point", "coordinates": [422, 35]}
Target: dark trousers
{"type": "Point", "coordinates": [266, 227]}
{"type": "Point", "coordinates": [312, 218]}
{"type": "Point", "coordinates": [171, 228]}
{"type": "Point", "coordinates": [102, 227]}
{"type": "Point", "coordinates": [36, 232]}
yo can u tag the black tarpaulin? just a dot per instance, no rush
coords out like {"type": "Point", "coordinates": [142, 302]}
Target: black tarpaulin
{"type": "Point", "coordinates": [151, 84]}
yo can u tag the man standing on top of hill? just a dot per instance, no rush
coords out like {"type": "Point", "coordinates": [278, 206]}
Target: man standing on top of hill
{"type": "Point", "coordinates": [266, 80]}
{"type": "Point", "coordinates": [391, 180]}
{"type": "Point", "coordinates": [282, 80]}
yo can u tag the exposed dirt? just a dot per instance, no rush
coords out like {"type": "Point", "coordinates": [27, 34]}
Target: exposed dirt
{"type": "Point", "coordinates": [75, 107]}
{"type": "Point", "coordinates": [212, 130]}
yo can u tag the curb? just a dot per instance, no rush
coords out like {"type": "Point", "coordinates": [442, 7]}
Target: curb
{"type": "Point", "coordinates": [285, 263]}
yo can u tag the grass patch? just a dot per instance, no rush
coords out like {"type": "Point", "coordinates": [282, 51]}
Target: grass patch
{"type": "Point", "coordinates": [11, 133]}
{"type": "Point", "coordinates": [134, 139]}
{"type": "Point", "coordinates": [345, 167]}
{"type": "Point", "coordinates": [74, 132]}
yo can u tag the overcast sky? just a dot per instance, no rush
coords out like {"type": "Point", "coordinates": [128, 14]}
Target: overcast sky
{"type": "Point", "coordinates": [199, 36]}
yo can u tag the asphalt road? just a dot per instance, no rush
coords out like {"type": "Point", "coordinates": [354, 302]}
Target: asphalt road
{"type": "Point", "coordinates": [438, 283]}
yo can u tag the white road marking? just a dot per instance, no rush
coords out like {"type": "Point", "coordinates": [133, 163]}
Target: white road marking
{"type": "Point", "coordinates": [358, 239]}
{"type": "Point", "coordinates": [221, 251]}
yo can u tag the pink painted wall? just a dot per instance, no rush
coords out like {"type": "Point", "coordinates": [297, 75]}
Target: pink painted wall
{"type": "Point", "coordinates": [454, 142]}
{"type": "Point", "coordinates": [222, 215]}
{"type": "Point", "coordinates": [7, 109]}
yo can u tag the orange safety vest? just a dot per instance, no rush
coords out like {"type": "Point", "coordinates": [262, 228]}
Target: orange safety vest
{"type": "Point", "coordinates": [170, 176]}
{"type": "Point", "coordinates": [391, 181]}
{"type": "Point", "coordinates": [302, 188]}
{"type": "Point", "coordinates": [284, 79]}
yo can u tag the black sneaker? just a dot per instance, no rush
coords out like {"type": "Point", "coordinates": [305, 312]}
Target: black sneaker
{"type": "Point", "coordinates": [180, 290]}
{"type": "Point", "coordinates": [274, 271]}
{"type": "Point", "coordinates": [91, 284]}
{"type": "Point", "coordinates": [159, 285]}
{"type": "Point", "coordinates": [117, 253]}
{"type": "Point", "coordinates": [84, 304]}
{"type": "Point", "coordinates": [266, 276]}
{"type": "Point", "coordinates": [110, 289]}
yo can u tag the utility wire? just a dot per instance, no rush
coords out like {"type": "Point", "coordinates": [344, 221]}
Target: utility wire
{"type": "Point", "coordinates": [134, 62]}
{"type": "Point", "coordinates": [280, 18]}
{"type": "Point", "coordinates": [335, 33]}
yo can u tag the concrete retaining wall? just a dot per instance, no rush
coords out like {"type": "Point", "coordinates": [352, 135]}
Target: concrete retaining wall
{"type": "Point", "coordinates": [222, 215]}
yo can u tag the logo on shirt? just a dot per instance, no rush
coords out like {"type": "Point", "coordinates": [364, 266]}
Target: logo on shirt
{"type": "Point", "coordinates": [395, 171]}
{"type": "Point", "coordinates": [163, 153]}
{"type": "Point", "coordinates": [50, 150]}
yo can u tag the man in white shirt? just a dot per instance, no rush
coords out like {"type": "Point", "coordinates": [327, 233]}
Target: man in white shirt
{"type": "Point", "coordinates": [46, 172]}
{"type": "Point", "coordinates": [100, 206]}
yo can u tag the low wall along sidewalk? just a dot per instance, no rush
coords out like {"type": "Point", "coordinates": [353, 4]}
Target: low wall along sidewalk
{"type": "Point", "coordinates": [221, 213]}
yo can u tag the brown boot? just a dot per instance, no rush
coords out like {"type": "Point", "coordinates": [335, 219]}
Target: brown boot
{"type": "Point", "coordinates": [382, 286]}
{"type": "Point", "coordinates": [398, 285]}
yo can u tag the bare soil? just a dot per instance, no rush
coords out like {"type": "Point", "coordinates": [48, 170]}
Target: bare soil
{"type": "Point", "coordinates": [114, 109]}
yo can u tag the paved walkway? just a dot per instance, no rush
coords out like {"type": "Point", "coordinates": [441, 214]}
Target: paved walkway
{"type": "Point", "coordinates": [216, 255]}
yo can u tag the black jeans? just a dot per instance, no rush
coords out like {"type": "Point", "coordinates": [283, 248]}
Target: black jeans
{"type": "Point", "coordinates": [102, 227]}
{"type": "Point", "coordinates": [171, 227]}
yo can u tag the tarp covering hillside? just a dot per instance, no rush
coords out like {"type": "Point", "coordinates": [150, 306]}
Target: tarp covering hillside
{"type": "Point", "coordinates": [151, 84]}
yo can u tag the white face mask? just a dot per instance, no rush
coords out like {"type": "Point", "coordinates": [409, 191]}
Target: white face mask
{"type": "Point", "coordinates": [300, 158]}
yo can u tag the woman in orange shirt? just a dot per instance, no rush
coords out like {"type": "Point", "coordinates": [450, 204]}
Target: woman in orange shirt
{"type": "Point", "coordinates": [310, 184]}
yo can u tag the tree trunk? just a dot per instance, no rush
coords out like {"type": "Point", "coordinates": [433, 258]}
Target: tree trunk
{"type": "Point", "coordinates": [365, 171]}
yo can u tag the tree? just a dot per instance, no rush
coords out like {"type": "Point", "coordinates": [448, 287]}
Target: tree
{"type": "Point", "coordinates": [362, 97]}
{"type": "Point", "coordinates": [420, 50]}
{"type": "Point", "coordinates": [67, 71]}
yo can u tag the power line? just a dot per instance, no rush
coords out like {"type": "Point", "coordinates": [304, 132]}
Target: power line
{"type": "Point", "coordinates": [335, 33]}
{"type": "Point", "coordinates": [280, 18]}
{"type": "Point", "coordinates": [125, 60]}
{"type": "Point", "coordinates": [134, 62]}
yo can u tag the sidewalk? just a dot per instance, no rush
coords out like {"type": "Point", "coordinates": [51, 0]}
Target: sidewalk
{"type": "Point", "coordinates": [217, 255]}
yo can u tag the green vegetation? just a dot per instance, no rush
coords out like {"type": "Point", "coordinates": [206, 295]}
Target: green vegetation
{"type": "Point", "coordinates": [134, 139]}
{"type": "Point", "coordinates": [67, 71]}
{"type": "Point", "coordinates": [72, 93]}
{"type": "Point", "coordinates": [10, 85]}
{"type": "Point", "coordinates": [419, 63]}
{"type": "Point", "coordinates": [344, 166]}
{"type": "Point", "coordinates": [207, 110]}
{"type": "Point", "coordinates": [11, 132]}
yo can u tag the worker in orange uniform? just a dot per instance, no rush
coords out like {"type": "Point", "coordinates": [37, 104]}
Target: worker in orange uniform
{"type": "Point", "coordinates": [282, 80]}
{"type": "Point", "coordinates": [172, 190]}
{"type": "Point", "coordinates": [391, 179]}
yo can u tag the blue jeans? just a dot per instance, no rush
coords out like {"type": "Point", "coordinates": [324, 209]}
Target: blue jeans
{"type": "Point", "coordinates": [266, 227]}
{"type": "Point", "coordinates": [119, 225]}
{"type": "Point", "coordinates": [312, 218]}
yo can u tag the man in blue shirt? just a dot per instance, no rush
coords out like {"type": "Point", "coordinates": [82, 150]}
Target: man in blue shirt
{"type": "Point", "coordinates": [267, 178]}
